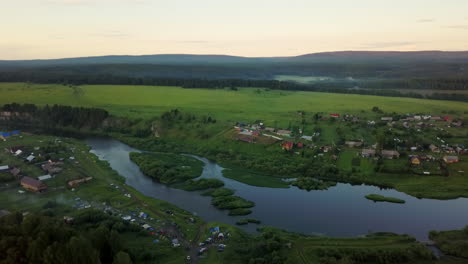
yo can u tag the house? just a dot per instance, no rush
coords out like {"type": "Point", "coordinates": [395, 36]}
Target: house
{"type": "Point", "coordinates": [451, 159]}
{"type": "Point", "coordinates": [269, 129]}
{"type": "Point", "coordinates": [434, 148]}
{"type": "Point", "coordinates": [457, 123]}
{"type": "Point", "coordinates": [307, 138]}
{"type": "Point", "coordinates": [284, 133]}
{"type": "Point", "coordinates": [368, 153]}
{"type": "Point", "coordinates": [33, 184]}
{"type": "Point", "coordinates": [414, 148]}
{"type": "Point", "coordinates": [300, 145]}
{"type": "Point", "coordinates": [325, 148]}
{"type": "Point", "coordinates": [415, 160]}
{"type": "Point", "coordinates": [353, 144]}
{"type": "Point", "coordinates": [287, 145]}
{"type": "Point", "coordinates": [68, 220]}
{"type": "Point", "coordinates": [390, 154]}
{"type": "Point", "coordinates": [335, 115]}
{"type": "Point", "coordinates": [44, 177]}
{"type": "Point", "coordinates": [435, 118]}
{"type": "Point", "coordinates": [386, 118]}
{"type": "Point", "coordinates": [15, 172]}
{"type": "Point", "coordinates": [146, 226]}
{"type": "Point", "coordinates": [49, 168]}
{"type": "Point", "coordinates": [446, 118]}
{"type": "Point", "coordinates": [4, 168]}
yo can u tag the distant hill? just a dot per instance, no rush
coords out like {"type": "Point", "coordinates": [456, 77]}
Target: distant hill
{"type": "Point", "coordinates": [188, 59]}
{"type": "Point", "coordinates": [384, 56]}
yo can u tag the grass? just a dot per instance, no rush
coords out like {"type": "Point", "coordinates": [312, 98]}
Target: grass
{"type": "Point", "coordinates": [201, 184]}
{"type": "Point", "coordinates": [453, 242]}
{"type": "Point", "coordinates": [251, 178]}
{"type": "Point", "coordinates": [231, 202]}
{"type": "Point", "coordinates": [219, 192]}
{"type": "Point", "coordinates": [270, 106]}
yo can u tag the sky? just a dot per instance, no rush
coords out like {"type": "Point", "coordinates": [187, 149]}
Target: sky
{"type": "Point", "coordinates": [44, 29]}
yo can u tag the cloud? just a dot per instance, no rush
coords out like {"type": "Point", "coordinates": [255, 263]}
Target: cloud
{"type": "Point", "coordinates": [110, 34]}
{"type": "Point", "coordinates": [465, 27]}
{"type": "Point", "coordinates": [193, 41]}
{"type": "Point", "coordinates": [90, 2]}
{"type": "Point", "coordinates": [425, 20]}
{"type": "Point", "coordinates": [383, 45]}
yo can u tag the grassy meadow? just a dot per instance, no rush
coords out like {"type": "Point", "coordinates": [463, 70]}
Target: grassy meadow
{"type": "Point", "coordinates": [246, 104]}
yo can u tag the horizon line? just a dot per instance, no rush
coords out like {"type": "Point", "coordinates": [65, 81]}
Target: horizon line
{"type": "Point", "coordinates": [239, 56]}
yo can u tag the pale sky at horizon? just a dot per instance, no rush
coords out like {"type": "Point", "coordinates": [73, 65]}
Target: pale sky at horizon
{"type": "Point", "coordinates": [42, 29]}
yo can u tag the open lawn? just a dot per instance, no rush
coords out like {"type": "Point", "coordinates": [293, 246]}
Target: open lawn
{"type": "Point", "coordinates": [243, 105]}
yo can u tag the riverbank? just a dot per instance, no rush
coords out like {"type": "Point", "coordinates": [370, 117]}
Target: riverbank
{"type": "Point", "coordinates": [108, 193]}
{"type": "Point", "coordinates": [278, 206]}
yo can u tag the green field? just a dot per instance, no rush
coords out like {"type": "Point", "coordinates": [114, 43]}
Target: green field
{"type": "Point", "coordinates": [274, 107]}
{"type": "Point", "coordinates": [254, 179]}
{"type": "Point", "coordinates": [243, 105]}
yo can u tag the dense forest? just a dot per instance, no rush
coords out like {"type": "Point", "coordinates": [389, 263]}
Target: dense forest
{"type": "Point", "coordinates": [92, 237]}
{"type": "Point", "coordinates": [49, 117]}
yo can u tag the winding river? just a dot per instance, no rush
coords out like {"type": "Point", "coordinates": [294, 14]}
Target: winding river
{"type": "Point", "coordinates": [339, 211]}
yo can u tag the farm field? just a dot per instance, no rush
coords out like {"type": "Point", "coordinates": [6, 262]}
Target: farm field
{"type": "Point", "coordinates": [245, 104]}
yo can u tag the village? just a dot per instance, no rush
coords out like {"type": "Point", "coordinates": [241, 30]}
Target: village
{"type": "Point", "coordinates": [42, 168]}
{"type": "Point", "coordinates": [379, 139]}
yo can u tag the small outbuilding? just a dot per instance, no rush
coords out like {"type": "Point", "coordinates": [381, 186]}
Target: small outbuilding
{"type": "Point", "coordinates": [368, 153]}
{"type": "Point", "coordinates": [451, 159]}
{"type": "Point", "coordinates": [390, 154]}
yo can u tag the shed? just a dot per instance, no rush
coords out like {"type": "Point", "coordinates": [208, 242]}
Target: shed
{"type": "Point", "coordinates": [44, 177]}
{"type": "Point", "coordinates": [30, 158]}
{"type": "Point", "coordinates": [15, 172]}
{"type": "Point", "coordinates": [353, 144]}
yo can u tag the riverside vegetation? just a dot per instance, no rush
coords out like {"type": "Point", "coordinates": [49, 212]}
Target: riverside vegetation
{"type": "Point", "coordinates": [194, 129]}
{"type": "Point", "coordinates": [181, 132]}
{"type": "Point", "coordinates": [104, 237]}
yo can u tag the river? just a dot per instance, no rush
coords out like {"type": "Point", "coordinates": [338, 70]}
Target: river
{"type": "Point", "coordinates": [340, 211]}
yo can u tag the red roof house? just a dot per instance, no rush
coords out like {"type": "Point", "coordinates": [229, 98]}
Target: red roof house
{"type": "Point", "coordinates": [335, 115]}
{"type": "Point", "coordinates": [287, 145]}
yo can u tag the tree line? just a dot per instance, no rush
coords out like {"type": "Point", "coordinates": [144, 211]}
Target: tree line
{"type": "Point", "coordinates": [52, 116]}
{"type": "Point", "coordinates": [379, 87]}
